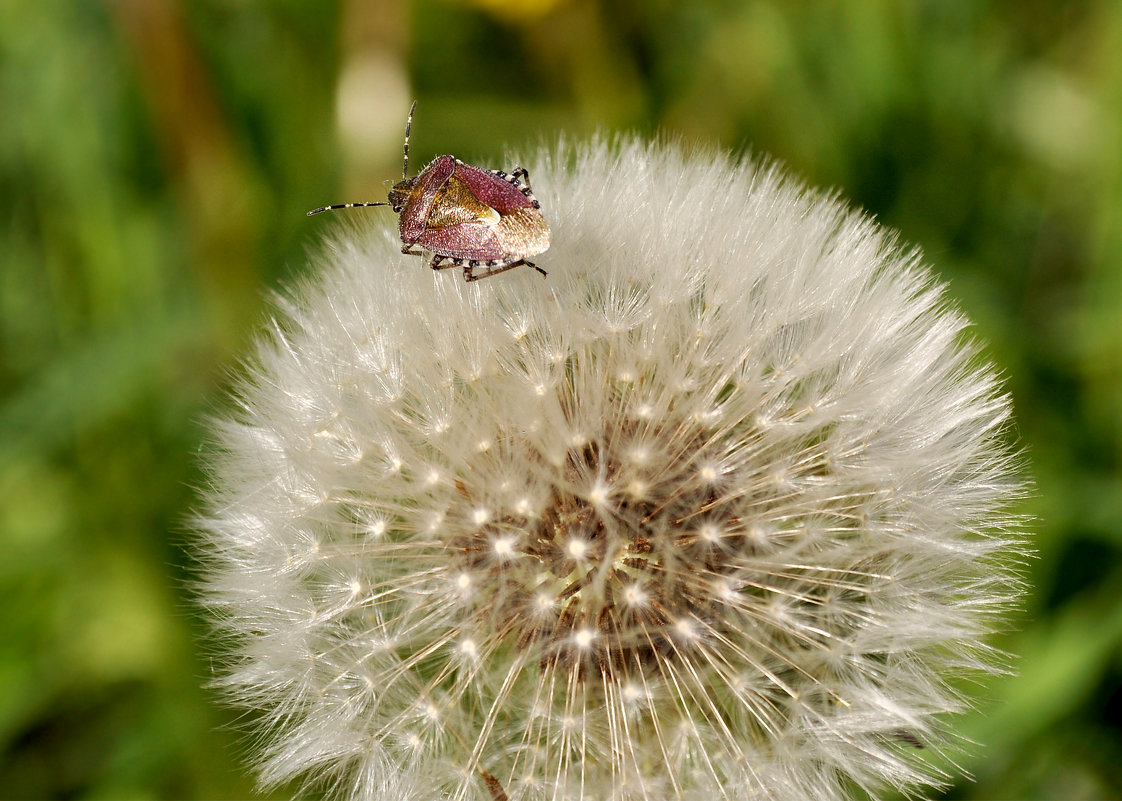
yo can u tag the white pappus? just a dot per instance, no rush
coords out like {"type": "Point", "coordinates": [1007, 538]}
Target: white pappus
{"type": "Point", "coordinates": [715, 512]}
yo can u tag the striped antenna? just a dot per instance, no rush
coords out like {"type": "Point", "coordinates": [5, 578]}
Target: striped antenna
{"type": "Point", "coordinates": [404, 172]}
{"type": "Point", "coordinates": [408, 128]}
{"type": "Point", "coordinates": [344, 206]}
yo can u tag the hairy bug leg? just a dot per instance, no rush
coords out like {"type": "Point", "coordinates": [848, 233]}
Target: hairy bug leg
{"type": "Point", "coordinates": [521, 175]}
{"type": "Point", "coordinates": [527, 190]}
{"type": "Point", "coordinates": [438, 262]}
{"type": "Point", "coordinates": [408, 250]}
{"type": "Point", "coordinates": [495, 269]}
{"type": "Point", "coordinates": [520, 172]}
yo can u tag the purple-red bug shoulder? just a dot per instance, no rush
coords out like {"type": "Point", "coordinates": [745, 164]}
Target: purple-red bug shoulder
{"type": "Point", "coordinates": [412, 220]}
{"type": "Point", "coordinates": [496, 192]}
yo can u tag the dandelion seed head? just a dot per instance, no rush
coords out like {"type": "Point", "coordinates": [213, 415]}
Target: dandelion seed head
{"type": "Point", "coordinates": [583, 637]}
{"type": "Point", "coordinates": [598, 494]}
{"type": "Point", "coordinates": [637, 489]}
{"type": "Point", "coordinates": [714, 511]}
{"type": "Point", "coordinates": [709, 533]}
{"type": "Point", "coordinates": [632, 692]}
{"type": "Point", "coordinates": [434, 522]}
{"type": "Point", "coordinates": [577, 549]}
{"type": "Point", "coordinates": [684, 628]}
{"type": "Point", "coordinates": [634, 595]}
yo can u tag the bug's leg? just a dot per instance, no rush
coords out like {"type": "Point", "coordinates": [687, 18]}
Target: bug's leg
{"type": "Point", "coordinates": [527, 190]}
{"type": "Point", "coordinates": [408, 251]}
{"type": "Point", "coordinates": [496, 267]}
{"type": "Point", "coordinates": [520, 172]}
{"type": "Point", "coordinates": [493, 268]}
{"type": "Point", "coordinates": [438, 262]}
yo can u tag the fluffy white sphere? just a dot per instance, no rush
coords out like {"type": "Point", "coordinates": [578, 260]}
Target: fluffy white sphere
{"type": "Point", "coordinates": [713, 511]}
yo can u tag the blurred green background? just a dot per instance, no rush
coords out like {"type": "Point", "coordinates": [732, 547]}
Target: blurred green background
{"type": "Point", "coordinates": [156, 161]}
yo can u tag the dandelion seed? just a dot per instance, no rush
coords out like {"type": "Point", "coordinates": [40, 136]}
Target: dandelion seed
{"type": "Point", "coordinates": [638, 489]}
{"type": "Point", "coordinates": [504, 547]}
{"type": "Point", "coordinates": [634, 595]}
{"type": "Point", "coordinates": [598, 495]}
{"type": "Point", "coordinates": [716, 514]}
{"type": "Point", "coordinates": [709, 533]}
{"type": "Point", "coordinates": [577, 549]}
{"type": "Point", "coordinates": [684, 629]}
{"type": "Point", "coordinates": [582, 638]}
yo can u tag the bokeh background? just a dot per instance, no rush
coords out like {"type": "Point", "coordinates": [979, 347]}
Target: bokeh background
{"type": "Point", "coordinates": [156, 161]}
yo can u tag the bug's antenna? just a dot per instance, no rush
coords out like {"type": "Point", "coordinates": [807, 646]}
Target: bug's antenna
{"type": "Point", "coordinates": [404, 174]}
{"type": "Point", "coordinates": [344, 206]}
{"type": "Point", "coordinates": [408, 128]}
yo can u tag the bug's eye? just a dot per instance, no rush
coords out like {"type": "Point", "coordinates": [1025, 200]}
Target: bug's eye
{"type": "Point", "coordinates": [397, 209]}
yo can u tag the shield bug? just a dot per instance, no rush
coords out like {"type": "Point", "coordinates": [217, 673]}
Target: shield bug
{"type": "Point", "coordinates": [465, 216]}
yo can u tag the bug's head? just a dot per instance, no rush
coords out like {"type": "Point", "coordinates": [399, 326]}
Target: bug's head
{"type": "Point", "coordinates": [400, 193]}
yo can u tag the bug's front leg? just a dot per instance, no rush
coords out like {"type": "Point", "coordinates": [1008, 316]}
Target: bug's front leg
{"type": "Point", "coordinates": [438, 262]}
{"type": "Point", "coordinates": [409, 251]}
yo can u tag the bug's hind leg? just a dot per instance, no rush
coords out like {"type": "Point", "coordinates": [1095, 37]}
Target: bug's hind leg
{"type": "Point", "coordinates": [496, 267]}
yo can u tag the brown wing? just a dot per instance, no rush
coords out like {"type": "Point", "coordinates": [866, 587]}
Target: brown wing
{"type": "Point", "coordinates": [456, 204]}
